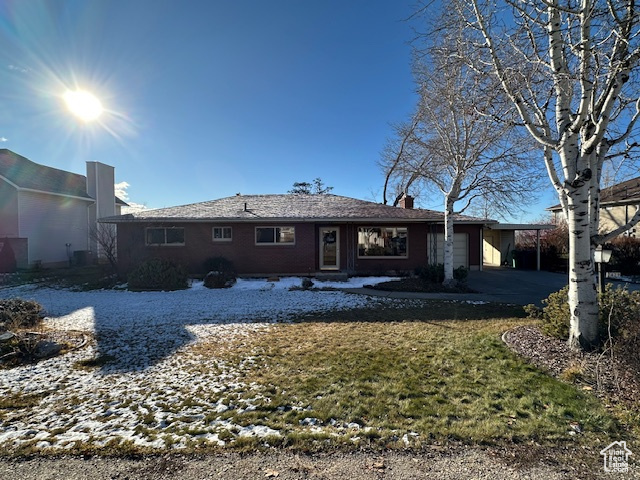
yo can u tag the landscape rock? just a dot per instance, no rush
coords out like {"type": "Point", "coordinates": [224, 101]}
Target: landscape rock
{"type": "Point", "coordinates": [6, 336]}
{"type": "Point", "coordinates": [46, 349]}
{"type": "Point", "coordinates": [217, 279]}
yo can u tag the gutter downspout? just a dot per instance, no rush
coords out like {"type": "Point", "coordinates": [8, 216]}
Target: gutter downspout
{"type": "Point", "coordinates": [481, 248]}
{"type": "Point", "coordinates": [538, 250]}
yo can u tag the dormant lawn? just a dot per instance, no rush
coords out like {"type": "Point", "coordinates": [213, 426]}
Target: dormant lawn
{"type": "Point", "coordinates": [260, 365]}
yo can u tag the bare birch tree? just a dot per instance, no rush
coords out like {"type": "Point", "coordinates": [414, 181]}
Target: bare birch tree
{"type": "Point", "coordinates": [460, 142]}
{"type": "Point", "coordinates": [570, 69]}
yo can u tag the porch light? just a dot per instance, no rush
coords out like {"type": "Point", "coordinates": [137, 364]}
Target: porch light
{"type": "Point", "coordinates": [601, 256]}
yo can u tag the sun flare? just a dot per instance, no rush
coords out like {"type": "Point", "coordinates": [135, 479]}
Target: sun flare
{"type": "Point", "coordinates": [83, 105]}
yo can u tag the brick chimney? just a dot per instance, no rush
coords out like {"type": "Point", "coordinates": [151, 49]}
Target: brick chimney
{"type": "Point", "coordinates": [406, 201]}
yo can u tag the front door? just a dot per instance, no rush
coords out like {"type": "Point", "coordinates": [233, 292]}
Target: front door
{"type": "Point", "coordinates": [491, 248]}
{"type": "Point", "coordinates": [329, 248]}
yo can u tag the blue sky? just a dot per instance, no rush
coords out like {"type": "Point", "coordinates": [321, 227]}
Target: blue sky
{"type": "Point", "coordinates": [207, 98]}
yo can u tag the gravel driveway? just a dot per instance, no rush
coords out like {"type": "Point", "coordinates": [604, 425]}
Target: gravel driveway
{"type": "Point", "coordinates": [462, 463]}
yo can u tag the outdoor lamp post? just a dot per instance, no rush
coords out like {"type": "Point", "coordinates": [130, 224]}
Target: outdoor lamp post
{"type": "Point", "coordinates": [601, 256]}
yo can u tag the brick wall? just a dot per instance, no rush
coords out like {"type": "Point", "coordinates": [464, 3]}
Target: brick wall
{"type": "Point", "coordinates": [242, 250]}
{"type": "Point", "coordinates": [301, 258]}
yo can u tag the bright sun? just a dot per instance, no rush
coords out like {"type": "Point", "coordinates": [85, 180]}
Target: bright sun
{"type": "Point", "coordinates": [83, 105]}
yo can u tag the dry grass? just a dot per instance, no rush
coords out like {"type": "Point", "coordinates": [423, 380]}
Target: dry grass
{"type": "Point", "coordinates": [335, 380]}
{"type": "Point", "coordinates": [417, 374]}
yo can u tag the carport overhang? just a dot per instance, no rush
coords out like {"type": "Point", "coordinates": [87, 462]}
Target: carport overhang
{"type": "Point", "coordinates": [515, 227]}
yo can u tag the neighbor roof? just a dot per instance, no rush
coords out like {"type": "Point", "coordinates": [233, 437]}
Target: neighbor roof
{"type": "Point", "coordinates": [298, 207]}
{"type": "Point", "coordinates": [625, 192]}
{"type": "Point", "coordinates": [25, 174]}
{"type": "Point", "coordinates": [618, 194]}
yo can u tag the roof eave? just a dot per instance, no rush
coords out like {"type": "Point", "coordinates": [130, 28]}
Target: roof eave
{"type": "Point", "coordinates": [2, 177]}
{"type": "Point", "coordinates": [66, 195]}
{"type": "Point", "coordinates": [522, 226]}
{"type": "Point", "coordinates": [127, 219]}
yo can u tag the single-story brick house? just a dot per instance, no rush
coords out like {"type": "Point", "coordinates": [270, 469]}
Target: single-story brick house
{"type": "Point", "coordinates": [296, 234]}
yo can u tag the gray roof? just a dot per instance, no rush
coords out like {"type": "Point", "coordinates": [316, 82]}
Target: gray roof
{"type": "Point", "coordinates": [289, 207]}
{"type": "Point", "coordinates": [24, 173]}
{"type": "Point", "coordinates": [627, 192]}
{"type": "Point", "coordinates": [624, 192]}
{"type": "Point", "coordinates": [29, 175]}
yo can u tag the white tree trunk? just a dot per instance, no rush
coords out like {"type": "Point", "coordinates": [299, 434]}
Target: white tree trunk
{"type": "Point", "coordinates": [592, 114]}
{"type": "Point", "coordinates": [448, 241]}
{"type": "Point", "coordinates": [583, 298]}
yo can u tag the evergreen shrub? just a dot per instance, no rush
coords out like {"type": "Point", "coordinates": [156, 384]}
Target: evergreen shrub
{"type": "Point", "coordinates": [158, 274]}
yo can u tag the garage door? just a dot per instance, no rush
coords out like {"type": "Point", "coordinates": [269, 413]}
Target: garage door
{"type": "Point", "coordinates": [435, 244]}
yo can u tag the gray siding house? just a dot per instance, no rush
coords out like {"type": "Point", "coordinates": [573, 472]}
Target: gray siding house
{"type": "Point", "coordinates": [47, 214]}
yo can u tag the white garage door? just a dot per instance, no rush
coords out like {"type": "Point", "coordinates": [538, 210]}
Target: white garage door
{"type": "Point", "coordinates": [435, 244]}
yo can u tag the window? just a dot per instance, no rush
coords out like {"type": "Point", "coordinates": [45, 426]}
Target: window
{"type": "Point", "coordinates": [221, 234]}
{"type": "Point", "coordinates": [382, 242]}
{"type": "Point", "coordinates": [275, 235]}
{"type": "Point", "coordinates": [165, 236]}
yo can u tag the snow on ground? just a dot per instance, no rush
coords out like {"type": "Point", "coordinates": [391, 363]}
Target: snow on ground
{"type": "Point", "coordinates": [291, 282]}
{"type": "Point", "coordinates": [153, 390]}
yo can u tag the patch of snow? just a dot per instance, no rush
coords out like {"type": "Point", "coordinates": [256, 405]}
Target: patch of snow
{"type": "Point", "coordinates": [153, 389]}
{"type": "Point", "coordinates": [287, 283]}
{"type": "Point", "coordinates": [258, 431]}
{"type": "Point", "coordinates": [310, 421]}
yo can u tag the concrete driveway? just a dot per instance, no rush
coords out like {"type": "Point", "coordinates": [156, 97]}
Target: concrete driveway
{"type": "Point", "coordinates": [498, 284]}
{"type": "Point", "coordinates": [494, 284]}
{"type": "Point", "coordinates": [521, 287]}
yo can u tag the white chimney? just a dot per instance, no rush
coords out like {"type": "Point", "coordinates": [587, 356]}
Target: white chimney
{"type": "Point", "coordinates": [100, 187]}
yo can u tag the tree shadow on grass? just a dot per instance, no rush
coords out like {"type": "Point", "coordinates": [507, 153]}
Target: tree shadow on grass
{"type": "Point", "coordinates": [137, 330]}
{"type": "Point", "coordinates": [136, 349]}
{"type": "Point", "coordinates": [133, 331]}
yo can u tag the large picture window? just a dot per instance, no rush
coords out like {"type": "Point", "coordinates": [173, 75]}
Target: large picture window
{"type": "Point", "coordinates": [275, 235]}
{"type": "Point", "coordinates": [382, 242]}
{"type": "Point", "coordinates": [170, 236]}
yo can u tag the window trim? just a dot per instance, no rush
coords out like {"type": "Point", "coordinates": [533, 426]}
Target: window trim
{"type": "Point", "coordinates": [164, 244]}
{"type": "Point", "coordinates": [223, 238]}
{"type": "Point", "coordinates": [384, 257]}
{"type": "Point", "coordinates": [274, 243]}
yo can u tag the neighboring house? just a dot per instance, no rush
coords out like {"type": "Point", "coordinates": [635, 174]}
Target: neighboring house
{"type": "Point", "coordinates": [296, 234]}
{"type": "Point", "coordinates": [47, 214]}
{"type": "Point", "coordinates": [618, 204]}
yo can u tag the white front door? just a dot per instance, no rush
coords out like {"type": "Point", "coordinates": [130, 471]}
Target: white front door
{"type": "Point", "coordinates": [329, 248]}
{"type": "Point", "coordinates": [491, 248]}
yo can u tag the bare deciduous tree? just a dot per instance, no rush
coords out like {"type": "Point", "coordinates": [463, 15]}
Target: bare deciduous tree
{"type": "Point", "coordinates": [461, 141]}
{"type": "Point", "coordinates": [105, 237]}
{"type": "Point", "coordinates": [397, 179]}
{"type": "Point", "coordinates": [570, 69]}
